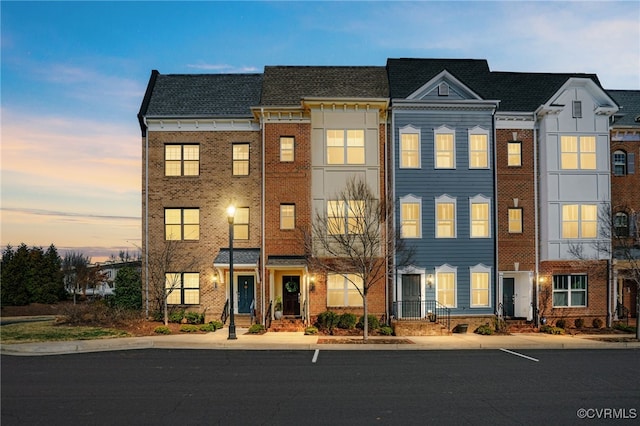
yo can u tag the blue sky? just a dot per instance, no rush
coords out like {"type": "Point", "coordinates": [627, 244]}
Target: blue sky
{"type": "Point", "coordinates": [73, 75]}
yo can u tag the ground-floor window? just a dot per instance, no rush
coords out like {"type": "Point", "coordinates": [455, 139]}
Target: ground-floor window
{"type": "Point", "coordinates": [183, 288]}
{"type": "Point", "coordinates": [569, 291]}
{"type": "Point", "coordinates": [342, 290]}
{"type": "Point", "coordinates": [480, 277]}
{"type": "Point", "coordinates": [446, 285]}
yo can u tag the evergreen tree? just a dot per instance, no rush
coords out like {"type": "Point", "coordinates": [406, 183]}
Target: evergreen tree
{"type": "Point", "coordinates": [128, 289]}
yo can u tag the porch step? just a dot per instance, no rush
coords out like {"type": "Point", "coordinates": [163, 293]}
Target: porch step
{"type": "Point", "coordinates": [419, 328]}
{"type": "Point", "coordinates": [241, 320]}
{"type": "Point", "coordinates": [519, 326]}
{"type": "Point", "coordinates": [287, 324]}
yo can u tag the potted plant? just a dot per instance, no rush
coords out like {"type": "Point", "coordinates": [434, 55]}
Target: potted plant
{"type": "Point", "coordinates": [278, 308]}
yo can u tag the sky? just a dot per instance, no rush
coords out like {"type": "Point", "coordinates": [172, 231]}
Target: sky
{"type": "Point", "coordinates": [73, 75]}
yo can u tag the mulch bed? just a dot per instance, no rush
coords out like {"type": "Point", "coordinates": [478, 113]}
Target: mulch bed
{"type": "Point", "coordinates": [362, 341]}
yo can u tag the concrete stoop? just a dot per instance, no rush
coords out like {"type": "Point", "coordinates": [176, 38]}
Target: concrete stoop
{"type": "Point", "coordinates": [287, 325]}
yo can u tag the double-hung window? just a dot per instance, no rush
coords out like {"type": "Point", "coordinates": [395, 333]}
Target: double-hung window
{"type": "Point", "coordinates": [569, 290]}
{"type": "Point", "coordinates": [579, 221]}
{"type": "Point", "coordinates": [446, 285]}
{"type": "Point", "coordinates": [445, 149]}
{"type": "Point", "coordinates": [480, 278]}
{"type": "Point", "coordinates": [240, 159]}
{"type": "Point", "coordinates": [478, 148]}
{"type": "Point", "coordinates": [181, 224]}
{"type": "Point", "coordinates": [619, 163]}
{"type": "Point", "coordinates": [241, 224]}
{"type": "Point", "coordinates": [345, 146]}
{"type": "Point", "coordinates": [445, 217]}
{"type": "Point", "coordinates": [287, 216]}
{"type": "Point", "coordinates": [515, 220]}
{"type": "Point", "coordinates": [480, 225]}
{"type": "Point", "coordinates": [345, 217]}
{"type": "Point", "coordinates": [182, 288]}
{"type": "Point", "coordinates": [182, 160]}
{"type": "Point", "coordinates": [409, 148]}
{"type": "Point", "coordinates": [287, 147]}
{"type": "Point", "coordinates": [578, 152]}
{"type": "Point", "coordinates": [514, 154]}
{"type": "Point", "coordinates": [410, 217]}
{"type": "Point", "coordinates": [621, 224]}
{"type": "Point", "coordinates": [344, 290]}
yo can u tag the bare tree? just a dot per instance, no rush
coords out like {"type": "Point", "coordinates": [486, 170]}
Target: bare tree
{"type": "Point", "coordinates": [79, 274]}
{"type": "Point", "coordinates": [355, 238]}
{"type": "Point", "coordinates": [619, 241]}
{"type": "Point", "coordinates": [163, 276]}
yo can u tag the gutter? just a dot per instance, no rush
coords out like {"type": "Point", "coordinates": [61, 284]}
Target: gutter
{"type": "Point", "coordinates": [262, 219]}
{"type": "Point", "coordinates": [536, 218]}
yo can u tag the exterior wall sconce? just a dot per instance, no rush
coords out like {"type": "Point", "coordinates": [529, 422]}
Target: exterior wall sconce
{"type": "Point", "coordinates": [312, 283]}
{"type": "Point", "coordinates": [215, 281]}
{"type": "Point", "coordinates": [430, 280]}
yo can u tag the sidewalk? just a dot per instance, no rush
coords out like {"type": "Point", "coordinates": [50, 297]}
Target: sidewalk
{"type": "Point", "coordinates": [298, 341]}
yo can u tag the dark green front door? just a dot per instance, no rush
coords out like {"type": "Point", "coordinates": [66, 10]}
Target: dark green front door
{"type": "Point", "coordinates": [508, 286]}
{"type": "Point", "coordinates": [411, 296]}
{"type": "Point", "coordinates": [246, 293]}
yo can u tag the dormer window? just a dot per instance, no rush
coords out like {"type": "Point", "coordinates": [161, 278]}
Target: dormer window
{"type": "Point", "coordinates": [443, 89]}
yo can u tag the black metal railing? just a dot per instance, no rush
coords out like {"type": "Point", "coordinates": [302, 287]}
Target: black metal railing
{"type": "Point", "coordinates": [225, 312]}
{"type": "Point", "coordinates": [422, 310]}
{"type": "Point", "coordinates": [267, 316]}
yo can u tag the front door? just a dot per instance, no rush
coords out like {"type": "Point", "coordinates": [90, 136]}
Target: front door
{"type": "Point", "coordinates": [508, 296]}
{"type": "Point", "coordinates": [246, 293]}
{"type": "Point", "coordinates": [410, 296]}
{"type": "Point", "coordinates": [291, 295]}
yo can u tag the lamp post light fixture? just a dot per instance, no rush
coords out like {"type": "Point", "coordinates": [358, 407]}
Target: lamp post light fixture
{"type": "Point", "coordinates": [231, 210]}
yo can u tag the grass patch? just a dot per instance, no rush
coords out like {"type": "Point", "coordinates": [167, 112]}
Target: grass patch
{"type": "Point", "coordinates": [47, 331]}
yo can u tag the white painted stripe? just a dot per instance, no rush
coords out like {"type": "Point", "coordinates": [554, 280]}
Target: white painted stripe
{"type": "Point", "coordinates": [315, 356]}
{"type": "Point", "coordinates": [520, 355]}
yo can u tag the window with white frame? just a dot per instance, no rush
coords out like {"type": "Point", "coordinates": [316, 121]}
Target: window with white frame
{"type": "Point", "coordinates": [287, 146]}
{"type": "Point", "coordinates": [410, 217]}
{"type": "Point", "coordinates": [344, 290]}
{"type": "Point", "coordinates": [445, 217]}
{"type": "Point", "coordinates": [515, 220]}
{"type": "Point", "coordinates": [181, 224]}
{"type": "Point", "coordinates": [345, 217]}
{"type": "Point", "coordinates": [578, 152]}
{"type": "Point", "coordinates": [241, 224]}
{"type": "Point", "coordinates": [579, 221]}
{"type": "Point", "coordinates": [287, 216]}
{"type": "Point", "coordinates": [514, 154]}
{"type": "Point", "coordinates": [446, 285]}
{"type": "Point", "coordinates": [445, 148]}
{"type": "Point", "coordinates": [478, 148]}
{"type": "Point", "coordinates": [621, 224]}
{"type": "Point", "coordinates": [182, 160]}
{"type": "Point", "coordinates": [480, 280]}
{"type": "Point", "coordinates": [409, 148]}
{"type": "Point", "coordinates": [569, 291]}
{"type": "Point", "coordinates": [240, 159]}
{"type": "Point", "coordinates": [480, 224]}
{"type": "Point", "coordinates": [182, 288]}
{"type": "Point", "coordinates": [345, 146]}
{"type": "Point", "coordinates": [619, 163]}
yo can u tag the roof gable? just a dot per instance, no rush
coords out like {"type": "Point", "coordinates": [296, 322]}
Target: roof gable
{"type": "Point", "coordinates": [629, 113]}
{"type": "Point", "coordinates": [444, 86]}
{"type": "Point", "coordinates": [603, 104]}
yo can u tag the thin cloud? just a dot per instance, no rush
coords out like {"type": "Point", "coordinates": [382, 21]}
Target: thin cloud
{"type": "Point", "coordinates": [224, 68]}
{"type": "Point", "coordinates": [40, 212]}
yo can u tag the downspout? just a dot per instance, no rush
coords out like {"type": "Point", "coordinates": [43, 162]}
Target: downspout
{"type": "Point", "coordinates": [393, 213]}
{"type": "Point", "coordinates": [386, 257]}
{"type": "Point", "coordinates": [496, 273]}
{"type": "Point", "coordinates": [146, 215]}
{"type": "Point", "coordinates": [535, 218]}
{"type": "Point", "coordinates": [262, 262]}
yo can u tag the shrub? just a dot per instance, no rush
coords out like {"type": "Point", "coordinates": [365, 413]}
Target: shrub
{"type": "Point", "coordinates": [216, 325]}
{"type": "Point", "coordinates": [561, 323]}
{"type": "Point", "coordinates": [162, 330]}
{"type": "Point", "coordinates": [194, 317]}
{"type": "Point", "coordinates": [327, 320]}
{"type": "Point", "coordinates": [484, 329]}
{"type": "Point", "coordinates": [386, 330]}
{"type": "Point", "coordinates": [128, 289]}
{"type": "Point", "coordinates": [372, 320]}
{"type": "Point", "coordinates": [624, 327]}
{"type": "Point", "coordinates": [189, 328]}
{"type": "Point", "coordinates": [207, 327]}
{"type": "Point", "coordinates": [256, 329]}
{"type": "Point", "coordinates": [549, 329]}
{"type": "Point", "coordinates": [347, 321]}
{"type": "Point", "coordinates": [176, 316]}
{"type": "Point", "coordinates": [597, 323]}
{"type": "Point", "coordinates": [311, 330]}
{"type": "Point", "coordinates": [579, 323]}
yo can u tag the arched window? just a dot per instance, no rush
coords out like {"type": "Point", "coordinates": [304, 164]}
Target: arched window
{"type": "Point", "coordinates": [619, 163]}
{"type": "Point", "coordinates": [621, 224]}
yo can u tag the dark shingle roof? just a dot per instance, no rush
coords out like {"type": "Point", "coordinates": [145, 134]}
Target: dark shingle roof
{"type": "Point", "coordinates": [287, 85]}
{"type": "Point", "coordinates": [406, 75]}
{"type": "Point", "coordinates": [241, 256]}
{"type": "Point", "coordinates": [197, 95]}
{"type": "Point", "coordinates": [629, 102]}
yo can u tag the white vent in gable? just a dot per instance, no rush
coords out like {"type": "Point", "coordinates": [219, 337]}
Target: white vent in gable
{"type": "Point", "coordinates": [443, 89]}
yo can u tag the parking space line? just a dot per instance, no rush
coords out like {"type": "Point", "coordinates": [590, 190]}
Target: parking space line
{"type": "Point", "coordinates": [520, 355]}
{"type": "Point", "coordinates": [315, 356]}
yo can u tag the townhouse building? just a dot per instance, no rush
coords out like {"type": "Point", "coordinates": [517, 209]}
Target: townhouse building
{"type": "Point", "coordinates": [499, 181]}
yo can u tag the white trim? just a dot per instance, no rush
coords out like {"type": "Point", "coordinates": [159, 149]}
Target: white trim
{"type": "Point", "coordinates": [446, 199]}
{"type": "Point", "coordinates": [479, 199]}
{"type": "Point", "coordinates": [443, 130]}
{"type": "Point", "coordinates": [202, 125]}
{"type": "Point", "coordinates": [479, 131]}
{"type": "Point", "coordinates": [409, 130]}
{"type": "Point", "coordinates": [411, 199]}
{"type": "Point", "coordinates": [446, 268]}
{"type": "Point", "coordinates": [479, 268]}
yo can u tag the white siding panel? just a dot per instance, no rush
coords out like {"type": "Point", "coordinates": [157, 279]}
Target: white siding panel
{"type": "Point", "coordinates": [578, 187]}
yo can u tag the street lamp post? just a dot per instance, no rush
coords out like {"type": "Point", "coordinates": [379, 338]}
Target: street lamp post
{"type": "Point", "coordinates": [231, 210]}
